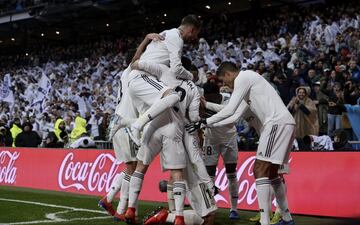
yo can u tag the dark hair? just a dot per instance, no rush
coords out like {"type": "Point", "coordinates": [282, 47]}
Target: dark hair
{"type": "Point", "coordinates": [226, 66]}
{"type": "Point", "coordinates": [191, 20]}
{"type": "Point", "coordinates": [186, 63]}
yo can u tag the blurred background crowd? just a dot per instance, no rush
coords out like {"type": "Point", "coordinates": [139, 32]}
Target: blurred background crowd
{"type": "Point", "coordinates": [56, 94]}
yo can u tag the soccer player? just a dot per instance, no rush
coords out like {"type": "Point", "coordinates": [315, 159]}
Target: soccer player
{"type": "Point", "coordinates": [276, 138]}
{"type": "Point", "coordinates": [165, 134]}
{"type": "Point", "coordinates": [222, 141]}
{"type": "Point", "coordinates": [244, 112]}
{"type": "Point", "coordinates": [125, 149]}
{"type": "Point", "coordinates": [145, 89]}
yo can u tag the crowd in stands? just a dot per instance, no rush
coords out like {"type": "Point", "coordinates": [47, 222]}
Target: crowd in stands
{"type": "Point", "coordinates": [310, 56]}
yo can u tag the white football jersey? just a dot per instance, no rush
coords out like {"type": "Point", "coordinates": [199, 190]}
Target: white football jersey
{"type": "Point", "coordinates": [172, 121]}
{"type": "Point", "coordinates": [167, 52]}
{"type": "Point", "coordinates": [262, 98]}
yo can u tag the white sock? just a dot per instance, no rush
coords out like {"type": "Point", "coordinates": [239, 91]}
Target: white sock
{"type": "Point", "coordinates": [233, 190]}
{"type": "Point", "coordinates": [263, 189]}
{"type": "Point", "coordinates": [190, 218]}
{"type": "Point", "coordinates": [136, 182]}
{"type": "Point", "coordinates": [158, 107]}
{"type": "Point", "coordinates": [170, 197]}
{"type": "Point", "coordinates": [124, 197]}
{"type": "Point", "coordinates": [179, 197]}
{"type": "Point", "coordinates": [115, 186]}
{"type": "Point", "coordinates": [280, 193]}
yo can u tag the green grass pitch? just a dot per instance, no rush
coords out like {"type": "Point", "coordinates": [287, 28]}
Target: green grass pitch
{"type": "Point", "coordinates": [27, 206]}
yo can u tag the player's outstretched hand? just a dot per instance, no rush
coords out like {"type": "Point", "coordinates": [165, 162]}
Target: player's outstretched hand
{"type": "Point", "coordinates": [155, 37]}
{"type": "Point", "coordinates": [192, 127]}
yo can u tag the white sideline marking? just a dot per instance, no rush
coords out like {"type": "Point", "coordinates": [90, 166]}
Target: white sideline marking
{"type": "Point", "coordinates": [52, 216]}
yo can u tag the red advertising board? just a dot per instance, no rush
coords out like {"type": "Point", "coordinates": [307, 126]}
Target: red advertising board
{"type": "Point", "coordinates": [320, 183]}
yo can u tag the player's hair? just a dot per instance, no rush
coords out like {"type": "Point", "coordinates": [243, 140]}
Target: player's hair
{"type": "Point", "coordinates": [226, 67]}
{"type": "Point", "coordinates": [191, 20]}
{"type": "Point", "coordinates": [186, 63]}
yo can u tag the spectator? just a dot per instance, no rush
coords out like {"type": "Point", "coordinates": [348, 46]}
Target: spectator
{"type": "Point", "coordinates": [321, 102]}
{"type": "Point", "coordinates": [318, 143]}
{"type": "Point", "coordinates": [52, 141]}
{"type": "Point", "coordinates": [5, 135]}
{"type": "Point", "coordinates": [336, 104]}
{"type": "Point", "coordinates": [28, 138]}
{"type": "Point", "coordinates": [341, 140]}
{"type": "Point", "coordinates": [304, 112]}
{"type": "Point", "coordinates": [15, 130]}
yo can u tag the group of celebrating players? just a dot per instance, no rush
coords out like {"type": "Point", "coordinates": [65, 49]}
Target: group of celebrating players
{"type": "Point", "coordinates": [158, 99]}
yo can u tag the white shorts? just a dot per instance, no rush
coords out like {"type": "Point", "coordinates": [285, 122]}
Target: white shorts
{"type": "Point", "coordinates": [275, 143]}
{"type": "Point", "coordinates": [172, 152]}
{"type": "Point", "coordinates": [228, 151]}
{"type": "Point", "coordinates": [144, 90]}
{"type": "Point", "coordinates": [125, 149]}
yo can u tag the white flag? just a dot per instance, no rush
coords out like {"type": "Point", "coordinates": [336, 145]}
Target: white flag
{"type": "Point", "coordinates": [44, 86]}
{"type": "Point", "coordinates": [6, 94]}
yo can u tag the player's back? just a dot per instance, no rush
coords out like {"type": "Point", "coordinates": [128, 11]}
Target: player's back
{"type": "Point", "coordinates": [172, 121]}
{"type": "Point", "coordinates": [157, 51]}
{"type": "Point", "coordinates": [264, 101]}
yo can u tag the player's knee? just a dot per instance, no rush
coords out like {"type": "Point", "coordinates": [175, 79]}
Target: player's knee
{"type": "Point", "coordinates": [211, 170]}
{"type": "Point", "coordinates": [140, 167]}
{"type": "Point", "coordinates": [261, 169]}
{"type": "Point", "coordinates": [230, 168]}
{"type": "Point", "coordinates": [177, 175]}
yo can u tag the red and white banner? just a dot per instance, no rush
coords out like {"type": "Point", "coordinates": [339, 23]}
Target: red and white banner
{"type": "Point", "coordinates": [320, 183]}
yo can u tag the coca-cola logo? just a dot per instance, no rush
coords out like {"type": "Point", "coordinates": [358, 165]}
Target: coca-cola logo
{"type": "Point", "coordinates": [7, 168]}
{"type": "Point", "coordinates": [244, 175]}
{"type": "Point", "coordinates": [247, 186]}
{"type": "Point", "coordinates": [88, 175]}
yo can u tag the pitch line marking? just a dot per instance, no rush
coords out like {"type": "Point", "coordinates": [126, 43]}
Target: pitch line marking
{"type": "Point", "coordinates": [52, 216]}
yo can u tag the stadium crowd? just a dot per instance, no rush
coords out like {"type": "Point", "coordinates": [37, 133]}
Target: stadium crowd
{"type": "Point", "coordinates": [309, 55]}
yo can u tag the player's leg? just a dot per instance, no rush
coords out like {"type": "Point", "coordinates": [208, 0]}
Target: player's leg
{"type": "Point", "coordinates": [233, 189]}
{"type": "Point", "coordinates": [192, 146]}
{"type": "Point", "coordinates": [263, 189]}
{"type": "Point", "coordinates": [229, 152]}
{"type": "Point", "coordinates": [283, 147]}
{"type": "Point", "coordinates": [135, 185]}
{"type": "Point", "coordinates": [124, 197]}
{"type": "Point", "coordinates": [179, 195]}
{"type": "Point", "coordinates": [115, 187]}
{"type": "Point", "coordinates": [146, 89]}
{"type": "Point", "coordinates": [170, 194]}
{"type": "Point", "coordinates": [145, 156]}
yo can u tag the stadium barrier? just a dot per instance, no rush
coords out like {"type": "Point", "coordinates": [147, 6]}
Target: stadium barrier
{"type": "Point", "coordinates": [320, 183]}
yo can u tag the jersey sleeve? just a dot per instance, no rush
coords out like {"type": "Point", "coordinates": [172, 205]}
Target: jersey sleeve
{"type": "Point", "coordinates": [214, 107]}
{"type": "Point", "coordinates": [174, 44]}
{"type": "Point", "coordinates": [194, 106]}
{"type": "Point", "coordinates": [243, 107]}
{"type": "Point", "coordinates": [241, 89]}
{"type": "Point", "coordinates": [152, 68]}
